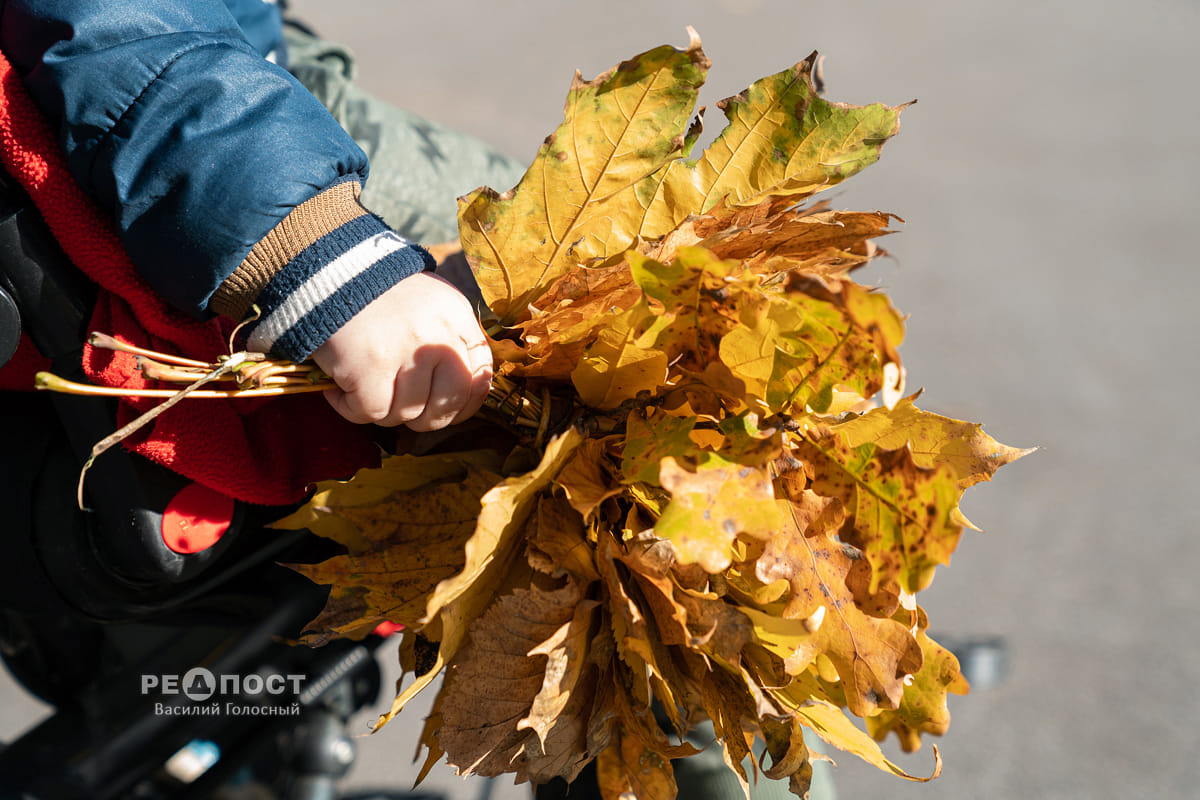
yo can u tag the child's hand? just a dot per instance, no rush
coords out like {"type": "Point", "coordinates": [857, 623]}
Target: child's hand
{"type": "Point", "coordinates": [415, 356]}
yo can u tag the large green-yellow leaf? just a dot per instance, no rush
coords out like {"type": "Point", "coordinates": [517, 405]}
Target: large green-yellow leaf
{"type": "Point", "coordinates": [963, 446]}
{"type": "Point", "coordinates": [579, 200]}
{"type": "Point", "coordinates": [696, 301]}
{"type": "Point", "coordinates": [905, 517]}
{"type": "Point", "coordinates": [900, 474]}
{"type": "Point", "coordinates": [781, 139]}
{"type": "Point", "coordinates": [870, 311]}
{"type": "Point", "coordinates": [779, 350]}
{"type": "Point", "coordinates": [798, 349]}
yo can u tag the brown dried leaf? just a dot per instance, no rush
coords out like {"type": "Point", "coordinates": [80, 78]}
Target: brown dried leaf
{"type": "Point", "coordinates": [628, 768]}
{"type": "Point", "coordinates": [789, 753]}
{"type": "Point", "coordinates": [407, 544]}
{"type": "Point", "coordinates": [491, 552]}
{"type": "Point", "coordinates": [497, 677]}
{"type": "Point", "coordinates": [561, 712]}
{"type": "Point", "coordinates": [585, 478]}
{"type": "Point", "coordinates": [558, 534]}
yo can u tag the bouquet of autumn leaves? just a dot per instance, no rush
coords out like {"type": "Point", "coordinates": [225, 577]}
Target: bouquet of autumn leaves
{"type": "Point", "coordinates": [699, 488]}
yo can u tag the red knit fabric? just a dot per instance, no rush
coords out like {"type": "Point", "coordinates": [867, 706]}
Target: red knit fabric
{"type": "Point", "coordinates": [17, 374]}
{"type": "Point", "coordinates": [266, 451]}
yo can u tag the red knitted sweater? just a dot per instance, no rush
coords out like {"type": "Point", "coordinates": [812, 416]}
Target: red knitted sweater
{"type": "Point", "coordinates": [267, 451]}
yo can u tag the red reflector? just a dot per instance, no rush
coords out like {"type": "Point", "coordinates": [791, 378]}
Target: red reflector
{"type": "Point", "coordinates": [386, 628]}
{"type": "Point", "coordinates": [196, 518]}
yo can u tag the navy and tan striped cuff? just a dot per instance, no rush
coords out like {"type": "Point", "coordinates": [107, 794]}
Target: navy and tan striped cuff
{"type": "Point", "coordinates": [318, 268]}
{"type": "Point", "coordinates": [305, 224]}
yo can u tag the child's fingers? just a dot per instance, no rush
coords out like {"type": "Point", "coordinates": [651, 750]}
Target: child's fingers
{"type": "Point", "coordinates": [338, 399]}
{"type": "Point", "coordinates": [480, 360]}
{"type": "Point", "coordinates": [459, 384]}
{"type": "Point", "coordinates": [412, 388]}
{"type": "Point", "coordinates": [449, 390]}
{"type": "Point", "coordinates": [369, 402]}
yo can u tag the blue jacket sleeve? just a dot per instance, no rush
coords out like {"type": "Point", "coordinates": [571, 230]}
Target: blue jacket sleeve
{"type": "Point", "coordinates": [196, 145]}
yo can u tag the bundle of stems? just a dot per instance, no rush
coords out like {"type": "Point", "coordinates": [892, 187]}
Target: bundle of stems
{"type": "Point", "coordinates": [246, 375]}
{"type": "Point", "coordinates": [243, 375]}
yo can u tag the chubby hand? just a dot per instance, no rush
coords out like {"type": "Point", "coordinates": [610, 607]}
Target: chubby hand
{"type": "Point", "coordinates": [414, 356]}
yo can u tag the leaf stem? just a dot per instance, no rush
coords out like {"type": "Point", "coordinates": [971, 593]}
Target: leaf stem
{"type": "Point", "coordinates": [106, 342]}
{"type": "Point", "coordinates": [227, 365]}
{"type": "Point", "coordinates": [49, 382]}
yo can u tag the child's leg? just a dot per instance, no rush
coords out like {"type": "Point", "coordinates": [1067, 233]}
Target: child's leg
{"type": "Point", "coordinates": [418, 168]}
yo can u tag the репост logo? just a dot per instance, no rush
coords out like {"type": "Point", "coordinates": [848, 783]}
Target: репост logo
{"type": "Point", "coordinates": [200, 684]}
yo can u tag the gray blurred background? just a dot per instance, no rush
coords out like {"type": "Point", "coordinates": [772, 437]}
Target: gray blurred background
{"type": "Point", "coordinates": [1048, 176]}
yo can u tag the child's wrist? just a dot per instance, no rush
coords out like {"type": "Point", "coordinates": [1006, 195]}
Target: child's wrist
{"type": "Point", "coordinates": [314, 271]}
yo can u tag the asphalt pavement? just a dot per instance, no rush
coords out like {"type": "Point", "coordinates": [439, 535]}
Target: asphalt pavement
{"type": "Point", "coordinates": [1048, 176]}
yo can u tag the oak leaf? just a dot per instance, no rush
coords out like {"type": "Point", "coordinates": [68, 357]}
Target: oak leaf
{"type": "Point", "coordinates": [618, 365]}
{"type": "Point", "coordinates": [711, 505]}
{"type": "Point", "coordinates": [923, 707]}
{"type": "Point", "coordinates": [651, 436]}
{"type": "Point", "coordinates": [872, 656]}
